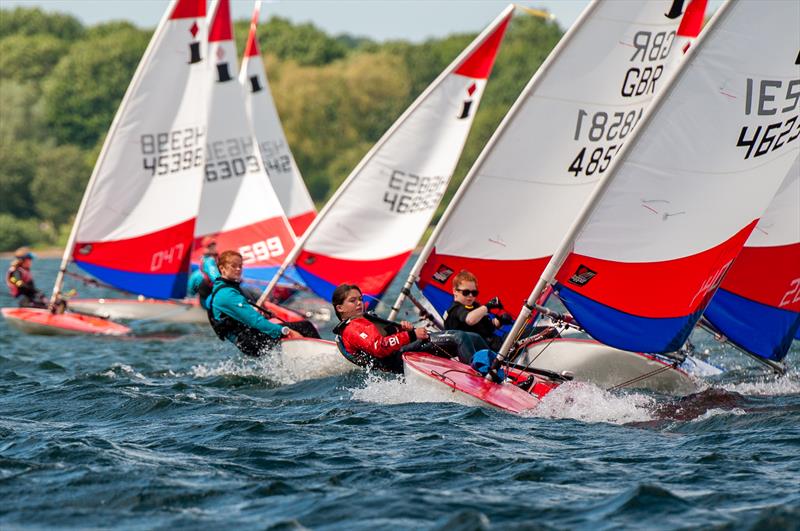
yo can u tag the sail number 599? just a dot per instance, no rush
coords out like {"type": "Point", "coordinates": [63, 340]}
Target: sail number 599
{"type": "Point", "coordinates": [262, 251]}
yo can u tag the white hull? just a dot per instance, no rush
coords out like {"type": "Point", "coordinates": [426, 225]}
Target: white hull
{"type": "Point", "coordinates": [608, 367]}
{"type": "Point", "coordinates": [307, 359]}
{"type": "Point", "coordinates": [135, 309]}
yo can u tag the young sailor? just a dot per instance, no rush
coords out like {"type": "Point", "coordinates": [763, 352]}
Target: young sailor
{"type": "Point", "coordinates": [467, 315]}
{"type": "Point", "coordinates": [367, 340]}
{"type": "Point", "coordinates": [201, 281]}
{"type": "Point", "coordinates": [235, 318]}
{"type": "Point", "coordinates": [20, 281]}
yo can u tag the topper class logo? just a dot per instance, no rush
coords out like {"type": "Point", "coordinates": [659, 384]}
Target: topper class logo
{"type": "Point", "coordinates": [466, 106]}
{"type": "Point", "coordinates": [194, 46]}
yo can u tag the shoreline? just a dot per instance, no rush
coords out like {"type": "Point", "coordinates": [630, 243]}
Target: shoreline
{"type": "Point", "coordinates": [47, 252]}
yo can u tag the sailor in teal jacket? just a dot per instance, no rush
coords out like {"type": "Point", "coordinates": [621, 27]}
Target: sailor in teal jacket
{"type": "Point", "coordinates": [234, 318]}
{"type": "Point", "coordinates": [201, 281]}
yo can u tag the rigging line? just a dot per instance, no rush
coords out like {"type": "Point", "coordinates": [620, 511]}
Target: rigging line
{"type": "Point", "coordinates": [644, 376]}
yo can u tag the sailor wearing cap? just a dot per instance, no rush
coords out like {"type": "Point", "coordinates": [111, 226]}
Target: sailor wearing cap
{"type": "Point", "coordinates": [20, 280]}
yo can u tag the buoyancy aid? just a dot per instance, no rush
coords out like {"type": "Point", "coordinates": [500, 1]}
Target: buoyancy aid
{"type": "Point", "coordinates": [20, 281]}
{"type": "Point", "coordinates": [249, 340]}
{"type": "Point", "coordinates": [207, 285]}
{"type": "Point", "coordinates": [392, 363]}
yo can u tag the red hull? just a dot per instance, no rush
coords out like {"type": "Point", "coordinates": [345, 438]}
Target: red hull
{"type": "Point", "coordinates": [40, 321]}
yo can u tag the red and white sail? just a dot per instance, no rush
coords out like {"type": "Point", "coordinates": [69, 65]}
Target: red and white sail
{"type": "Point", "coordinates": [524, 191]}
{"type": "Point", "coordinates": [238, 205]}
{"type": "Point", "coordinates": [135, 224]}
{"type": "Point", "coordinates": [758, 305]}
{"type": "Point", "coordinates": [368, 229]}
{"type": "Point", "coordinates": [663, 227]}
{"type": "Point", "coordinates": [275, 152]}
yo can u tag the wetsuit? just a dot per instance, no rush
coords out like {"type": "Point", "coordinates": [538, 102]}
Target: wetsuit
{"type": "Point", "coordinates": [456, 319]}
{"type": "Point", "coordinates": [201, 281]}
{"type": "Point", "coordinates": [234, 318]}
{"type": "Point", "coordinates": [20, 284]}
{"type": "Point", "coordinates": [369, 341]}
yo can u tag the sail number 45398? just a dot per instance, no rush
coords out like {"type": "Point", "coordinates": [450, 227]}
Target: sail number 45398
{"type": "Point", "coordinates": [262, 251]}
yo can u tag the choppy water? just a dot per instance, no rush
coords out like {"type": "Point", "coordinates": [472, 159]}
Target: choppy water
{"type": "Point", "coordinates": [173, 430]}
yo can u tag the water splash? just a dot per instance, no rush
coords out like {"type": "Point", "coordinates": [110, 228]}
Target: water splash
{"type": "Point", "coordinates": [588, 403]}
{"type": "Point", "coordinates": [396, 389]}
{"type": "Point", "coordinates": [770, 385]}
{"type": "Point", "coordinates": [268, 367]}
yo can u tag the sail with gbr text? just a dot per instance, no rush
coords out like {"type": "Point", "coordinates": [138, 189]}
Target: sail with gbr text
{"type": "Point", "coordinates": [665, 224]}
{"type": "Point", "coordinates": [135, 225]}
{"type": "Point", "coordinates": [555, 143]}
{"type": "Point", "coordinates": [275, 152]}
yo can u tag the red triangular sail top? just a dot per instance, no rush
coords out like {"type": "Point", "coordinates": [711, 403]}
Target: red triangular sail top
{"type": "Point", "coordinates": [189, 9]}
{"type": "Point", "coordinates": [221, 29]}
{"type": "Point", "coordinates": [251, 48]}
{"type": "Point", "coordinates": [479, 64]}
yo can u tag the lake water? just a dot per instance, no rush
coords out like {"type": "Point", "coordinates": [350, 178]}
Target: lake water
{"type": "Point", "coordinates": [171, 429]}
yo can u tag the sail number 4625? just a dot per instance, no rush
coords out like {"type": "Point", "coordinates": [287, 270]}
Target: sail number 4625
{"type": "Point", "coordinates": [262, 251]}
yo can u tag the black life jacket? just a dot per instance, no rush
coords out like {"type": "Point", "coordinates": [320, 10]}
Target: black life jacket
{"type": "Point", "coordinates": [248, 339]}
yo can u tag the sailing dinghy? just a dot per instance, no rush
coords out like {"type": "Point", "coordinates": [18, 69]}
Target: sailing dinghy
{"type": "Point", "coordinates": [542, 163]}
{"type": "Point", "coordinates": [153, 153]}
{"type": "Point", "coordinates": [643, 259]}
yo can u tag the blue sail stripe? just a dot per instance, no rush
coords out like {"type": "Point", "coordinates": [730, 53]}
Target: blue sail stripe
{"type": "Point", "coordinates": [624, 330]}
{"type": "Point", "coordinates": [158, 286]}
{"type": "Point", "coordinates": [760, 329]}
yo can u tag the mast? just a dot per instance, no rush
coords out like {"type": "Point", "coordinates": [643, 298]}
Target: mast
{"type": "Point", "coordinates": [300, 245]}
{"type": "Point", "coordinates": [534, 82]}
{"type": "Point", "coordinates": [558, 258]}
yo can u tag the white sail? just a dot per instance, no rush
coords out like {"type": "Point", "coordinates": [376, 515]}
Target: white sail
{"type": "Point", "coordinates": [663, 227]}
{"type": "Point", "coordinates": [369, 228]}
{"type": "Point", "coordinates": [521, 196]}
{"type": "Point", "coordinates": [275, 152]}
{"type": "Point", "coordinates": [238, 205]}
{"type": "Point", "coordinates": [135, 224]}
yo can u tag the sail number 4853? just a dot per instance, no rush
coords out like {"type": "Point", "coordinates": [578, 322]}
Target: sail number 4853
{"type": "Point", "coordinates": [262, 251]}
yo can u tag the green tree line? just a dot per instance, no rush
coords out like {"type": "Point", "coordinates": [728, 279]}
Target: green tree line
{"type": "Point", "coordinates": [61, 83]}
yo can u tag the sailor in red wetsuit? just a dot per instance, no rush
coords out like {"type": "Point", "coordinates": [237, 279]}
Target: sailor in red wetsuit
{"type": "Point", "coordinates": [20, 281]}
{"type": "Point", "coordinates": [369, 341]}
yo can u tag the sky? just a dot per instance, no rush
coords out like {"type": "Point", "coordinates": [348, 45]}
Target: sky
{"type": "Point", "coordinates": [414, 20]}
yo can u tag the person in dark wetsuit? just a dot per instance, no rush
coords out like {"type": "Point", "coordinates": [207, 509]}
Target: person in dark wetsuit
{"type": "Point", "coordinates": [467, 315]}
{"type": "Point", "coordinates": [235, 318]}
{"type": "Point", "coordinates": [20, 281]}
{"type": "Point", "coordinates": [369, 341]}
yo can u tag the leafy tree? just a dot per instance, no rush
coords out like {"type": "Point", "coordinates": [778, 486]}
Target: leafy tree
{"type": "Point", "coordinates": [32, 21]}
{"type": "Point", "coordinates": [20, 112]}
{"type": "Point", "coordinates": [15, 232]}
{"type": "Point", "coordinates": [327, 110]}
{"type": "Point", "coordinates": [61, 176]}
{"type": "Point", "coordinates": [303, 43]}
{"type": "Point", "coordinates": [86, 87]}
{"type": "Point", "coordinates": [17, 168]}
{"type": "Point", "coordinates": [30, 57]}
